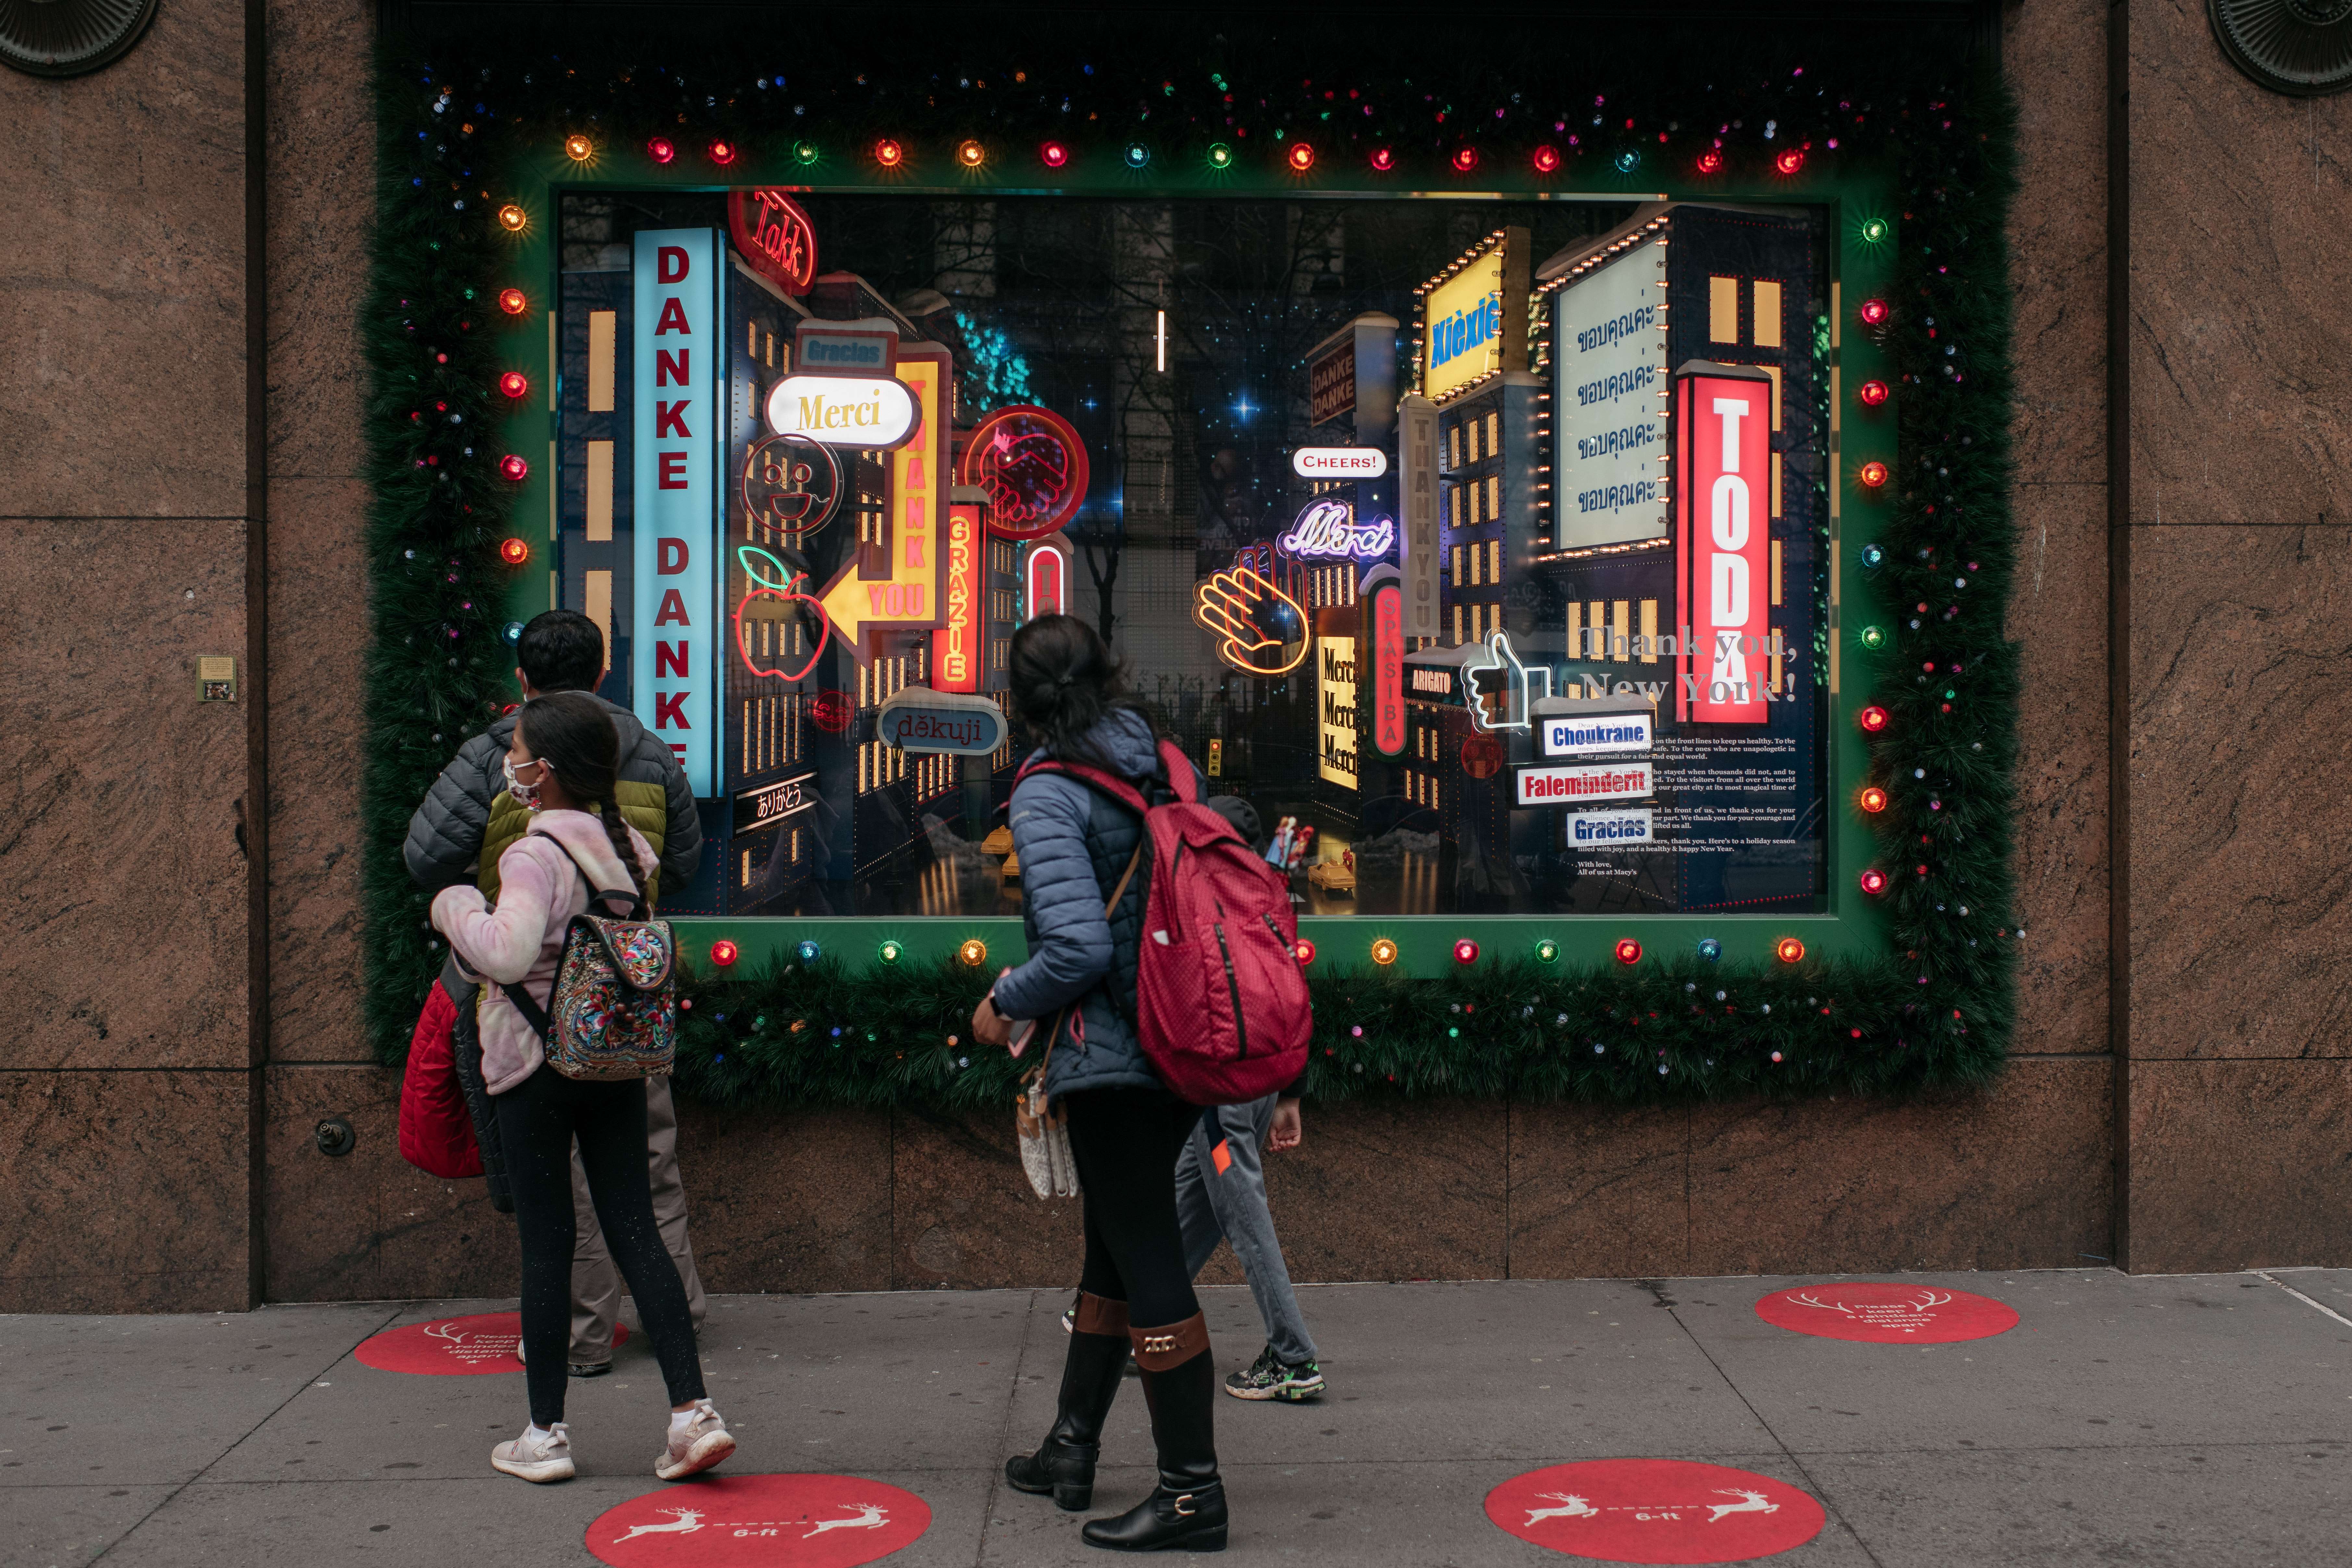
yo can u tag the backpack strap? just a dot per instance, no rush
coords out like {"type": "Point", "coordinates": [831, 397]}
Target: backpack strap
{"type": "Point", "coordinates": [1110, 782]}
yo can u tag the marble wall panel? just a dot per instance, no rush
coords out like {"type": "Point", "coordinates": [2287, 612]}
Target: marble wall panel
{"type": "Point", "coordinates": [317, 731]}
{"type": "Point", "coordinates": [122, 874]}
{"type": "Point", "coordinates": [787, 1200]}
{"type": "Point", "coordinates": [962, 1215]}
{"type": "Point", "coordinates": [2058, 617]}
{"type": "Point", "coordinates": [2241, 323]}
{"type": "Point", "coordinates": [2020, 1176]}
{"type": "Point", "coordinates": [322, 163]}
{"type": "Point", "coordinates": [2240, 1164]}
{"type": "Point", "coordinates": [2241, 837]}
{"type": "Point", "coordinates": [1396, 1190]}
{"type": "Point", "coordinates": [324, 1215]}
{"type": "Point", "coordinates": [122, 278]}
{"type": "Point", "coordinates": [2054, 54]}
{"type": "Point", "coordinates": [1600, 1192]}
{"type": "Point", "coordinates": [127, 1191]}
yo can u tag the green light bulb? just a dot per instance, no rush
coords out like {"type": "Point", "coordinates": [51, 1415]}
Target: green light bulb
{"type": "Point", "coordinates": [1874, 636]}
{"type": "Point", "coordinates": [888, 952]}
{"type": "Point", "coordinates": [1219, 156]}
{"type": "Point", "coordinates": [1874, 230]}
{"type": "Point", "coordinates": [1547, 951]}
{"type": "Point", "coordinates": [805, 150]}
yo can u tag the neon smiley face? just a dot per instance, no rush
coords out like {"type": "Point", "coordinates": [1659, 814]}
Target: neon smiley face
{"type": "Point", "coordinates": [792, 483]}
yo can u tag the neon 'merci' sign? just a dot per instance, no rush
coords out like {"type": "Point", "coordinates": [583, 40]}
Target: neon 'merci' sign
{"type": "Point", "coordinates": [1328, 528]}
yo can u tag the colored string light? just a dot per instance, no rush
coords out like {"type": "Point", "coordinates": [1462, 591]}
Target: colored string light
{"type": "Point", "coordinates": [1628, 951]}
{"type": "Point", "coordinates": [1465, 160]}
{"type": "Point", "coordinates": [974, 953]}
{"type": "Point", "coordinates": [1301, 157]}
{"type": "Point", "coordinates": [723, 152]}
{"type": "Point", "coordinates": [724, 953]}
{"type": "Point", "coordinates": [1137, 155]}
{"type": "Point", "coordinates": [1384, 951]}
{"type": "Point", "coordinates": [1874, 636]}
{"type": "Point", "coordinates": [1383, 159]}
{"type": "Point", "coordinates": [512, 303]}
{"type": "Point", "coordinates": [888, 153]}
{"type": "Point", "coordinates": [1874, 556]}
{"type": "Point", "coordinates": [514, 383]}
{"type": "Point", "coordinates": [1871, 393]}
{"type": "Point", "coordinates": [1874, 230]}
{"type": "Point", "coordinates": [1711, 162]}
{"type": "Point", "coordinates": [1789, 162]}
{"type": "Point", "coordinates": [513, 467]}
{"type": "Point", "coordinates": [1787, 950]}
{"type": "Point", "coordinates": [1710, 949]}
{"type": "Point", "coordinates": [890, 952]}
{"type": "Point", "coordinates": [1873, 799]}
{"type": "Point", "coordinates": [1872, 719]}
{"type": "Point", "coordinates": [1874, 881]}
{"type": "Point", "coordinates": [1053, 154]}
{"type": "Point", "coordinates": [808, 951]}
{"type": "Point", "coordinates": [1873, 474]}
{"type": "Point", "coordinates": [1874, 312]}
{"type": "Point", "coordinates": [805, 152]}
{"type": "Point", "coordinates": [1306, 950]}
{"type": "Point", "coordinates": [578, 148]}
{"type": "Point", "coordinates": [514, 552]}
{"type": "Point", "coordinates": [661, 149]}
{"type": "Point", "coordinates": [1220, 156]}
{"type": "Point", "coordinates": [511, 218]}
{"type": "Point", "coordinates": [1466, 952]}
{"type": "Point", "coordinates": [1545, 158]}
{"type": "Point", "coordinates": [1628, 161]}
{"type": "Point", "coordinates": [972, 154]}
{"type": "Point", "coordinates": [1547, 951]}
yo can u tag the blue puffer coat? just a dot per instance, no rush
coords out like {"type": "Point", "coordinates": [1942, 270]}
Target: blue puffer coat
{"type": "Point", "coordinates": [1074, 842]}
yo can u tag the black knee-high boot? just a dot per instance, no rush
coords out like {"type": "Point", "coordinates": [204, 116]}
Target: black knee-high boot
{"type": "Point", "coordinates": [1064, 1464]}
{"type": "Point", "coordinates": [1186, 1510]}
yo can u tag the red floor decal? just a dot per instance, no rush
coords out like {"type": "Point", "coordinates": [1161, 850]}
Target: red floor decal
{"type": "Point", "coordinates": [1882, 1314]}
{"type": "Point", "coordinates": [1655, 1510]}
{"type": "Point", "coordinates": [775, 1521]}
{"type": "Point", "coordinates": [454, 1347]}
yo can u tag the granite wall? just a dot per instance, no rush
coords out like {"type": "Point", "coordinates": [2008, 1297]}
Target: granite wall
{"type": "Point", "coordinates": [159, 1134]}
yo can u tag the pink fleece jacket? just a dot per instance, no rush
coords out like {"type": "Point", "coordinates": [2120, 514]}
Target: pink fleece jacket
{"type": "Point", "coordinates": [519, 942]}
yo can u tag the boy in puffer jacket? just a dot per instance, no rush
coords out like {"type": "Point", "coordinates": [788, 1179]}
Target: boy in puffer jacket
{"type": "Point", "coordinates": [465, 823]}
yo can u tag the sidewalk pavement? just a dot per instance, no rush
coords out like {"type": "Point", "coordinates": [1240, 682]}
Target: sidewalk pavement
{"type": "Point", "coordinates": [2184, 1419]}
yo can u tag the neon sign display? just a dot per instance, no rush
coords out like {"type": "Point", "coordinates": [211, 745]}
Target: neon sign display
{"type": "Point", "coordinates": [868, 412]}
{"type": "Point", "coordinates": [908, 599]}
{"type": "Point", "coordinates": [955, 657]}
{"type": "Point", "coordinates": [1045, 578]}
{"type": "Point", "coordinates": [1033, 467]}
{"type": "Point", "coordinates": [1724, 414]}
{"type": "Point", "coordinates": [1328, 528]}
{"type": "Point", "coordinates": [791, 482]}
{"type": "Point", "coordinates": [1262, 630]}
{"type": "Point", "coordinates": [773, 234]}
{"type": "Point", "coordinates": [674, 650]}
{"type": "Point", "coordinates": [1388, 669]}
{"type": "Point", "coordinates": [1500, 678]}
{"type": "Point", "coordinates": [779, 583]}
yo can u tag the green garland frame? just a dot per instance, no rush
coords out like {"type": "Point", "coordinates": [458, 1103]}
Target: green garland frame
{"type": "Point", "coordinates": [461, 126]}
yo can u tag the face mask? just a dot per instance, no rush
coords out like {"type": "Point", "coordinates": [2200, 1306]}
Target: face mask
{"type": "Point", "coordinates": [524, 795]}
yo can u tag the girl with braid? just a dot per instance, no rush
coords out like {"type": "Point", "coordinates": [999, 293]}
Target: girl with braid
{"type": "Point", "coordinates": [562, 764]}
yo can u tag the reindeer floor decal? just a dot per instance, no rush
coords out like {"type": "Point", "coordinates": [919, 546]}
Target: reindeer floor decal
{"type": "Point", "coordinates": [788, 1520]}
{"type": "Point", "coordinates": [1889, 1313]}
{"type": "Point", "coordinates": [1655, 1510]}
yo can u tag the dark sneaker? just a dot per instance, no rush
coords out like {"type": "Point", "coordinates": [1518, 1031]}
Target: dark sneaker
{"type": "Point", "coordinates": [1269, 1377]}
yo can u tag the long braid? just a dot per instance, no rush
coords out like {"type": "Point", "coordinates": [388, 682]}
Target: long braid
{"type": "Point", "coordinates": [618, 830]}
{"type": "Point", "coordinates": [572, 734]}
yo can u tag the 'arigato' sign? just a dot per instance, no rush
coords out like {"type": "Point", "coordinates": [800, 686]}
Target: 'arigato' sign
{"type": "Point", "coordinates": [869, 413]}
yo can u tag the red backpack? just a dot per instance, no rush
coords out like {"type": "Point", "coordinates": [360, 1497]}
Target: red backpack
{"type": "Point", "coordinates": [1221, 1003]}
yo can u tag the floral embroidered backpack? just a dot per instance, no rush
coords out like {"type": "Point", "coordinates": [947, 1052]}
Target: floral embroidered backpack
{"type": "Point", "coordinates": [613, 1013]}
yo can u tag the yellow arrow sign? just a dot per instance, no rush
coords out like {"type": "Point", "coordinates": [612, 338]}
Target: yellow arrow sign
{"type": "Point", "coordinates": [909, 595]}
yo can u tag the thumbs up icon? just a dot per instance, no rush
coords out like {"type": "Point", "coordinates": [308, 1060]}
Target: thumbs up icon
{"type": "Point", "coordinates": [1501, 693]}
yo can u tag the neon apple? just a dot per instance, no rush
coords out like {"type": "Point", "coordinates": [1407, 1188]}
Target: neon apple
{"type": "Point", "coordinates": [772, 579]}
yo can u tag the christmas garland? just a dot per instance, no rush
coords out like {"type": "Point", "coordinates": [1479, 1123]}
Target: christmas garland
{"type": "Point", "coordinates": [457, 123]}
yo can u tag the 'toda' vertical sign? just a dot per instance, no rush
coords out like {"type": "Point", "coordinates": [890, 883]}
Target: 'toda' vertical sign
{"type": "Point", "coordinates": [1723, 437]}
{"type": "Point", "coordinates": [673, 664]}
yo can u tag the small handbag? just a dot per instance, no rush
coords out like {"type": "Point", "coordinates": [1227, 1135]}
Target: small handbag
{"type": "Point", "coordinates": [1043, 1126]}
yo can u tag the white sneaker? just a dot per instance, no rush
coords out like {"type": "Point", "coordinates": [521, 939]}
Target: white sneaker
{"type": "Point", "coordinates": [701, 1443]}
{"type": "Point", "coordinates": [547, 1458]}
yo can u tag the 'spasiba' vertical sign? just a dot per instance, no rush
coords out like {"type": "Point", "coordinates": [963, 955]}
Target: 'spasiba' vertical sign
{"type": "Point", "coordinates": [1723, 438]}
{"type": "Point", "coordinates": [673, 659]}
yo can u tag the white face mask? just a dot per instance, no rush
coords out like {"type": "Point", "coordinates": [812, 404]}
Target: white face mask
{"type": "Point", "coordinates": [524, 795]}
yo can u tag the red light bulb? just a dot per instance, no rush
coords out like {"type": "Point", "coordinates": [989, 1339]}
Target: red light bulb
{"type": "Point", "coordinates": [1787, 950]}
{"type": "Point", "coordinates": [1465, 160]}
{"type": "Point", "coordinates": [1711, 161]}
{"type": "Point", "coordinates": [1301, 157]}
{"type": "Point", "coordinates": [1874, 881]}
{"type": "Point", "coordinates": [1628, 951]}
{"type": "Point", "coordinates": [511, 301]}
{"type": "Point", "coordinates": [1874, 312]}
{"type": "Point", "coordinates": [722, 152]}
{"type": "Point", "coordinates": [514, 552]}
{"type": "Point", "coordinates": [888, 153]}
{"type": "Point", "coordinates": [1305, 953]}
{"type": "Point", "coordinates": [1872, 393]}
{"type": "Point", "coordinates": [1872, 719]}
{"type": "Point", "coordinates": [1789, 162]}
{"type": "Point", "coordinates": [1546, 159]}
{"type": "Point", "coordinates": [1383, 159]}
{"type": "Point", "coordinates": [1054, 155]}
{"type": "Point", "coordinates": [1466, 952]}
{"type": "Point", "coordinates": [1872, 800]}
{"type": "Point", "coordinates": [724, 953]}
{"type": "Point", "coordinates": [513, 467]}
{"type": "Point", "coordinates": [661, 149]}
{"type": "Point", "coordinates": [514, 383]}
{"type": "Point", "coordinates": [1873, 474]}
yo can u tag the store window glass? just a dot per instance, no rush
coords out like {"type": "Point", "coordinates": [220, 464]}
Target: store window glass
{"type": "Point", "coordinates": [1481, 547]}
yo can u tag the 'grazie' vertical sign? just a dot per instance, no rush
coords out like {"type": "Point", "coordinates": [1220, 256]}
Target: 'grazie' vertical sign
{"type": "Point", "coordinates": [673, 667]}
{"type": "Point", "coordinates": [1722, 416]}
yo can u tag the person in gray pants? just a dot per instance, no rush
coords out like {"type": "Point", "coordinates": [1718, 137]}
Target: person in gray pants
{"type": "Point", "coordinates": [1221, 1195]}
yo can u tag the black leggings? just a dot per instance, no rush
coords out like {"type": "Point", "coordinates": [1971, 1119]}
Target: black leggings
{"type": "Point", "coordinates": [538, 1119]}
{"type": "Point", "coordinates": [1125, 1141]}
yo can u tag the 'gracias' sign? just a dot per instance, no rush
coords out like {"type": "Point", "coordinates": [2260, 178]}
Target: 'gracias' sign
{"type": "Point", "coordinates": [918, 718]}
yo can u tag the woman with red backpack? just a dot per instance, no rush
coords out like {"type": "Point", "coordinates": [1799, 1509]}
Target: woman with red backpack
{"type": "Point", "coordinates": [563, 763]}
{"type": "Point", "coordinates": [1085, 873]}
